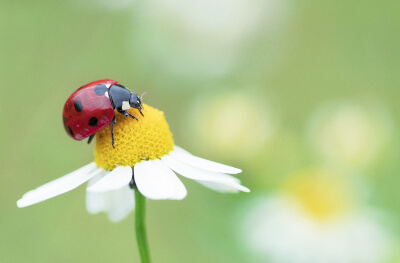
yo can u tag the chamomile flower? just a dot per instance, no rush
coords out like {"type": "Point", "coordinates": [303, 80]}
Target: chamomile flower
{"type": "Point", "coordinates": [204, 36]}
{"type": "Point", "coordinates": [145, 158]}
{"type": "Point", "coordinates": [350, 134]}
{"type": "Point", "coordinates": [228, 129]}
{"type": "Point", "coordinates": [315, 218]}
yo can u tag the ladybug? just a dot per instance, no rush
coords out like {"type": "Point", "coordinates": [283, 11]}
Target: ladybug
{"type": "Point", "coordinates": [91, 108]}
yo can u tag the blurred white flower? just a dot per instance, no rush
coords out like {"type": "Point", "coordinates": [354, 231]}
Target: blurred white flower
{"type": "Point", "coordinates": [239, 122]}
{"type": "Point", "coordinates": [313, 220]}
{"type": "Point", "coordinates": [203, 36]}
{"type": "Point", "coordinates": [350, 134]}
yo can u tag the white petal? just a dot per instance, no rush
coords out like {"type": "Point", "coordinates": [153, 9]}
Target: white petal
{"type": "Point", "coordinates": [195, 173]}
{"type": "Point", "coordinates": [59, 186]}
{"type": "Point", "coordinates": [116, 204]}
{"type": "Point", "coordinates": [225, 188]}
{"type": "Point", "coordinates": [184, 156]}
{"type": "Point", "coordinates": [116, 179]}
{"type": "Point", "coordinates": [50, 185]}
{"type": "Point", "coordinates": [156, 181]}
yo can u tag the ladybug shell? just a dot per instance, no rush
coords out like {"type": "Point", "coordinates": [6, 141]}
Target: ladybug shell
{"type": "Point", "coordinates": [88, 110]}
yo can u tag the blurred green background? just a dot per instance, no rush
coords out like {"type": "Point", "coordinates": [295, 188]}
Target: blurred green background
{"type": "Point", "coordinates": [272, 87]}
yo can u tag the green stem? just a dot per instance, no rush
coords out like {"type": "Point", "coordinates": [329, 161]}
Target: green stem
{"type": "Point", "coordinates": [140, 211]}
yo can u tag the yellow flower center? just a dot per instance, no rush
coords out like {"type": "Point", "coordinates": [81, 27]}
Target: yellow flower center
{"type": "Point", "coordinates": [323, 196]}
{"type": "Point", "coordinates": [147, 138]}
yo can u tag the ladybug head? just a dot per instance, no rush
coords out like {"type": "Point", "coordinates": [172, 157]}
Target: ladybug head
{"type": "Point", "coordinates": [135, 101]}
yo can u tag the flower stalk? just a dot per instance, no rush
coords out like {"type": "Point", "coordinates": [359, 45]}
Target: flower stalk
{"type": "Point", "coordinates": [140, 226]}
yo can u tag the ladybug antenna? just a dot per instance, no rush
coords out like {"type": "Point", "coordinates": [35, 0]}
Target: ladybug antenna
{"type": "Point", "coordinates": [141, 96]}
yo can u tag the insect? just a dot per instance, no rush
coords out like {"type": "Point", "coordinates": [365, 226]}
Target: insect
{"type": "Point", "coordinates": [91, 108]}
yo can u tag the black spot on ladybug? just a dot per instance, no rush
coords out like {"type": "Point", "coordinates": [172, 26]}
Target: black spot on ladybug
{"type": "Point", "coordinates": [100, 89]}
{"type": "Point", "coordinates": [78, 106]}
{"type": "Point", "coordinates": [70, 131]}
{"type": "Point", "coordinates": [93, 121]}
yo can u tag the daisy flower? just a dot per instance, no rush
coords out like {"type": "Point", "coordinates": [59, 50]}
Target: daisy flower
{"type": "Point", "coordinates": [314, 219]}
{"type": "Point", "coordinates": [144, 159]}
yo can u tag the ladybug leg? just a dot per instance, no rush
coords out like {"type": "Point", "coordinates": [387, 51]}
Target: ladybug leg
{"type": "Point", "coordinates": [132, 116]}
{"type": "Point", "coordinates": [127, 114]}
{"type": "Point", "coordinates": [90, 139]}
{"type": "Point", "coordinates": [114, 121]}
{"type": "Point", "coordinates": [132, 183]}
{"type": "Point", "coordinates": [140, 110]}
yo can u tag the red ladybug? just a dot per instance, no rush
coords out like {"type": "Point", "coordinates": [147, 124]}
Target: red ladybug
{"type": "Point", "coordinates": [91, 108]}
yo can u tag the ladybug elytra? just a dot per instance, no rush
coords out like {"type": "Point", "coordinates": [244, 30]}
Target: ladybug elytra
{"type": "Point", "coordinates": [91, 108]}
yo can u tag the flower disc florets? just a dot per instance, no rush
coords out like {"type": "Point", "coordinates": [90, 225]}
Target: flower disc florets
{"type": "Point", "coordinates": [147, 138]}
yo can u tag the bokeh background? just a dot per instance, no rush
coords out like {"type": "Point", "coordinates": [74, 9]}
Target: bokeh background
{"type": "Point", "coordinates": [303, 96]}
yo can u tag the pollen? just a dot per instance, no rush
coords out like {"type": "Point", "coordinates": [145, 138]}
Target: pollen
{"type": "Point", "coordinates": [147, 138]}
